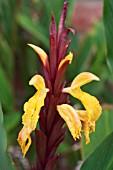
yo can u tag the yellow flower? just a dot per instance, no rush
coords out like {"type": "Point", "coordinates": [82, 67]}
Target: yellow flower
{"type": "Point", "coordinates": [91, 104]}
{"type": "Point", "coordinates": [32, 110]}
{"type": "Point", "coordinates": [71, 118]}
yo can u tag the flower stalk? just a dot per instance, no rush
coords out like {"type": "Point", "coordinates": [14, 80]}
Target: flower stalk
{"type": "Point", "coordinates": [50, 104]}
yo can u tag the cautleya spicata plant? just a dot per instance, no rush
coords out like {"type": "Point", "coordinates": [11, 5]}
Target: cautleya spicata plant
{"type": "Point", "coordinates": [50, 104]}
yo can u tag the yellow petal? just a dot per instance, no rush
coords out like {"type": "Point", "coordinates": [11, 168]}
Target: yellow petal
{"type": "Point", "coordinates": [86, 132]}
{"type": "Point", "coordinates": [82, 115]}
{"type": "Point", "coordinates": [89, 126]}
{"type": "Point", "coordinates": [43, 56]}
{"type": "Point", "coordinates": [24, 140]}
{"type": "Point", "coordinates": [38, 82]}
{"type": "Point", "coordinates": [67, 58]}
{"type": "Point", "coordinates": [71, 118]}
{"type": "Point", "coordinates": [83, 78]}
{"type": "Point", "coordinates": [32, 110]}
{"type": "Point", "coordinates": [90, 103]}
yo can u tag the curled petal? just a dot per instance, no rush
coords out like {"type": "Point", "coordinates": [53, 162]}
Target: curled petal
{"type": "Point", "coordinates": [24, 140]}
{"type": "Point", "coordinates": [83, 78]}
{"type": "Point", "coordinates": [86, 132]}
{"type": "Point", "coordinates": [71, 118]}
{"type": "Point", "coordinates": [38, 82]}
{"type": "Point", "coordinates": [89, 126]}
{"type": "Point", "coordinates": [90, 103]}
{"type": "Point", "coordinates": [82, 115]}
{"type": "Point", "coordinates": [43, 56]}
{"type": "Point", "coordinates": [67, 58]}
{"type": "Point", "coordinates": [32, 110]}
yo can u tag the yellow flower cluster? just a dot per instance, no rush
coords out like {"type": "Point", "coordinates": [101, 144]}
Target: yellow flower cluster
{"type": "Point", "coordinates": [72, 117]}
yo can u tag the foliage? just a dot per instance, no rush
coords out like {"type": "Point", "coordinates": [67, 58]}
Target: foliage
{"type": "Point", "coordinates": [108, 24]}
{"type": "Point", "coordinates": [5, 162]}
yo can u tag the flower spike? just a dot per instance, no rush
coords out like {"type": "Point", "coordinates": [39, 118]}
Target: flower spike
{"type": "Point", "coordinates": [32, 110]}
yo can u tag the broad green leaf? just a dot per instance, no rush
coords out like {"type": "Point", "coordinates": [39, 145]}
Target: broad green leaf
{"type": "Point", "coordinates": [5, 162]}
{"type": "Point", "coordinates": [104, 127]}
{"type": "Point", "coordinates": [102, 157]}
{"type": "Point", "coordinates": [108, 25]}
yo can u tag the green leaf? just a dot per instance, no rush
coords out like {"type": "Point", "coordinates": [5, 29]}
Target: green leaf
{"type": "Point", "coordinates": [6, 92]}
{"type": "Point", "coordinates": [7, 16]}
{"type": "Point", "coordinates": [91, 52]}
{"type": "Point", "coordinates": [104, 127]}
{"type": "Point", "coordinates": [6, 57]}
{"type": "Point", "coordinates": [102, 157]}
{"type": "Point", "coordinates": [108, 25]}
{"type": "Point", "coordinates": [36, 29]}
{"type": "Point", "coordinates": [16, 117]}
{"type": "Point", "coordinates": [5, 162]}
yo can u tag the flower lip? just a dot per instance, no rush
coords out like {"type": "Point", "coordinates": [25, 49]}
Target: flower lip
{"type": "Point", "coordinates": [33, 80]}
{"type": "Point", "coordinates": [38, 79]}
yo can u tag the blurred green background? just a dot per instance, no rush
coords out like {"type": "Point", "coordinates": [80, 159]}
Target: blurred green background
{"type": "Point", "coordinates": [27, 21]}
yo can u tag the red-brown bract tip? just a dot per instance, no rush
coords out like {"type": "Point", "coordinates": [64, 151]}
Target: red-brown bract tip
{"type": "Point", "coordinates": [52, 16]}
{"type": "Point", "coordinates": [66, 3]}
{"type": "Point", "coordinates": [65, 8]}
{"type": "Point", "coordinates": [72, 30]}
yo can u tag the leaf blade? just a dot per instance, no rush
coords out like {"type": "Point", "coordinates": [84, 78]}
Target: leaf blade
{"type": "Point", "coordinates": [102, 157]}
{"type": "Point", "coordinates": [108, 25]}
{"type": "Point", "coordinates": [5, 162]}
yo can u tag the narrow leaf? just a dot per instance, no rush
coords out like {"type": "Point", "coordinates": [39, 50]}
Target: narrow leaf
{"type": "Point", "coordinates": [6, 92]}
{"type": "Point", "coordinates": [108, 25]}
{"type": "Point", "coordinates": [5, 162]}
